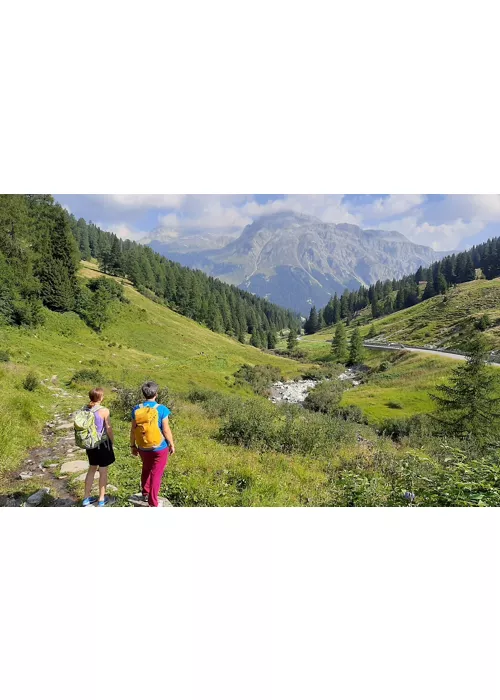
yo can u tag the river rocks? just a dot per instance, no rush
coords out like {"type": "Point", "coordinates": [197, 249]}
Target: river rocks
{"type": "Point", "coordinates": [37, 498]}
{"type": "Point", "coordinates": [74, 467]}
{"type": "Point", "coordinates": [291, 392]}
{"type": "Point", "coordinates": [296, 392]}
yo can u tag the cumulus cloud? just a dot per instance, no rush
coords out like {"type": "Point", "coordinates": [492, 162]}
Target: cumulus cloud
{"type": "Point", "coordinates": [445, 236]}
{"type": "Point", "coordinates": [144, 201]}
{"type": "Point", "coordinates": [441, 222]}
{"type": "Point", "coordinates": [123, 230]}
{"type": "Point", "coordinates": [393, 205]}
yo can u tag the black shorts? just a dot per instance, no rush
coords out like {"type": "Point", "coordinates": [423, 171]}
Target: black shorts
{"type": "Point", "coordinates": [101, 456]}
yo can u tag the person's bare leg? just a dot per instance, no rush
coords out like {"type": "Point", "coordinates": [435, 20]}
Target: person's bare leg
{"type": "Point", "coordinates": [89, 480]}
{"type": "Point", "coordinates": [103, 482]}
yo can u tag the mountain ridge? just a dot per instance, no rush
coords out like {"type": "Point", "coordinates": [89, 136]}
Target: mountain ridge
{"type": "Point", "coordinates": [297, 260]}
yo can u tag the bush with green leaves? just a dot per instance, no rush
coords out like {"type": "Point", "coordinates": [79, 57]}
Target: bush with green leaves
{"type": "Point", "coordinates": [31, 381]}
{"type": "Point", "coordinates": [325, 397]}
{"type": "Point", "coordinates": [4, 356]}
{"type": "Point", "coordinates": [327, 370]}
{"type": "Point", "coordinates": [88, 376]}
{"type": "Point", "coordinates": [421, 426]}
{"type": "Point", "coordinates": [354, 414]}
{"type": "Point", "coordinates": [215, 404]}
{"type": "Point", "coordinates": [259, 377]}
{"type": "Point", "coordinates": [384, 366]}
{"type": "Point", "coordinates": [288, 429]}
{"type": "Point", "coordinates": [126, 398]}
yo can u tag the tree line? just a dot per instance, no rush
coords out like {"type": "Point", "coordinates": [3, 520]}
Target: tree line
{"type": "Point", "coordinates": [424, 284]}
{"type": "Point", "coordinates": [41, 245]}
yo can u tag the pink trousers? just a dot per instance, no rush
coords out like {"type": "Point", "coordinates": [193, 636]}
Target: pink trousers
{"type": "Point", "coordinates": [153, 466]}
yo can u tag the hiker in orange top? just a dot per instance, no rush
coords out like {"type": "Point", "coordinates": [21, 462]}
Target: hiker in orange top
{"type": "Point", "coordinates": [151, 438]}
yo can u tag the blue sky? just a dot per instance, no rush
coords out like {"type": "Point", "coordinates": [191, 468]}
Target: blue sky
{"type": "Point", "coordinates": [444, 222]}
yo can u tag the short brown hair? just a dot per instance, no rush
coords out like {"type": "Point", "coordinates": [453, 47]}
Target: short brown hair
{"type": "Point", "coordinates": [95, 395]}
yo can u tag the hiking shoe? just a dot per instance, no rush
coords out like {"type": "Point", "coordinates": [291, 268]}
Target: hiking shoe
{"type": "Point", "coordinates": [89, 501]}
{"type": "Point", "coordinates": [138, 499]}
{"type": "Point", "coordinates": [104, 503]}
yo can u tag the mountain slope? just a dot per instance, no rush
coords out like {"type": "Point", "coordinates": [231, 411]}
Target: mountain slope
{"type": "Point", "coordinates": [445, 321]}
{"type": "Point", "coordinates": [297, 260]}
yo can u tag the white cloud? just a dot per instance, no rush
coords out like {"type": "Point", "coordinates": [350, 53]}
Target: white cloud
{"type": "Point", "coordinates": [441, 223]}
{"type": "Point", "coordinates": [393, 205]}
{"type": "Point", "coordinates": [123, 230]}
{"type": "Point", "coordinates": [438, 236]}
{"type": "Point", "coordinates": [144, 201]}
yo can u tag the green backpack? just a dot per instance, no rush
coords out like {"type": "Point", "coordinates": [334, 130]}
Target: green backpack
{"type": "Point", "coordinates": [86, 434]}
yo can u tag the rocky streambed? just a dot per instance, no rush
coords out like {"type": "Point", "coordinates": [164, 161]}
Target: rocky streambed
{"type": "Point", "coordinates": [296, 391]}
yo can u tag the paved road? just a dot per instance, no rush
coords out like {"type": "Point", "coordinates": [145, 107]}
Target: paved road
{"type": "Point", "coordinates": [398, 346]}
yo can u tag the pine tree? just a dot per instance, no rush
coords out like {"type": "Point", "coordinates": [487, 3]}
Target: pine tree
{"type": "Point", "coordinates": [429, 290]}
{"type": "Point", "coordinates": [470, 404]}
{"type": "Point", "coordinates": [292, 340]}
{"type": "Point", "coordinates": [356, 350]}
{"type": "Point", "coordinates": [339, 343]}
{"type": "Point", "coordinates": [312, 324]}
{"type": "Point", "coordinates": [272, 339]}
{"type": "Point", "coordinates": [442, 286]}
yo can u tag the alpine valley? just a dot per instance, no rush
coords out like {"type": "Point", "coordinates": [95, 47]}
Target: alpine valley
{"type": "Point", "coordinates": [297, 260]}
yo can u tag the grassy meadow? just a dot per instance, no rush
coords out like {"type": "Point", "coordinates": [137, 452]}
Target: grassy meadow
{"type": "Point", "coordinates": [343, 464]}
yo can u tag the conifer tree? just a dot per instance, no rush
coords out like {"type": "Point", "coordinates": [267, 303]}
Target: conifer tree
{"type": "Point", "coordinates": [470, 404]}
{"type": "Point", "coordinates": [356, 349]}
{"type": "Point", "coordinates": [339, 343]}
{"type": "Point", "coordinates": [312, 324]}
{"type": "Point", "coordinates": [292, 340]}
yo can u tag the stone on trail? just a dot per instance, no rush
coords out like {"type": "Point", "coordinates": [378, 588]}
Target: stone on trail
{"type": "Point", "coordinates": [75, 467]}
{"type": "Point", "coordinates": [25, 475]}
{"type": "Point", "coordinates": [136, 500]}
{"type": "Point", "coordinates": [111, 488]}
{"type": "Point", "coordinates": [64, 426]}
{"type": "Point", "coordinates": [36, 498]}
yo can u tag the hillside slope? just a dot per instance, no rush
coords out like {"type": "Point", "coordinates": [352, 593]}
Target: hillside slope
{"type": "Point", "coordinates": [444, 321]}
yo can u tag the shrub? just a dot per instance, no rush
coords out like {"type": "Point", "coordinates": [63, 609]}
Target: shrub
{"type": "Point", "coordinates": [214, 403]}
{"type": "Point", "coordinates": [4, 356]}
{"type": "Point", "coordinates": [354, 414]}
{"type": "Point", "coordinates": [126, 398]}
{"type": "Point", "coordinates": [286, 429]}
{"type": "Point", "coordinates": [259, 377]}
{"type": "Point", "coordinates": [31, 381]}
{"type": "Point", "coordinates": [325, 397]}
{"type": "Point", "coordinates": [329, 370]}
{"type": "Point", "coordinates": [394, 404]}
{"type": "Point", "coordinates": [397, 428]}
{"type": "Point", "coordinates": [384, 366]}
{"type": "Point", "coordinates": [107, 287]}
{"type": "Point", "coordinates": [88, 376]}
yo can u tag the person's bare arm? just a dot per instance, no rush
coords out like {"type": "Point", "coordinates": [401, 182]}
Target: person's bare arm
{"type": "Point", "coordinates": [107, 422]}
{"type": "Point", "coordinates": [167, 434]}
{"type": "Point", "coordinates": [133, 447]}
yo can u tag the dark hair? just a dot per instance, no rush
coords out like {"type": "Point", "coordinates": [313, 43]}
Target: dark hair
{"type": "Point", "coordinates": [150, 390]}
{"type": "Point", "coordinates": [95, 395]}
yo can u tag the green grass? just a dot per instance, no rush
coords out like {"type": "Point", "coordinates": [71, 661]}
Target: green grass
{"type": "Point", "coordinates": [148, 340]}
{"type": "Point", "coordinates": [446, 321]}
{"type": "Point", "coordinates": [406, 384]}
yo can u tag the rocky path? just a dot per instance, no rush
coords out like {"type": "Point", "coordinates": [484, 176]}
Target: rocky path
{"type": "Point", "coordinates": [41, 479]}
{"type": "Point", "coordinates": [46, 475]}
